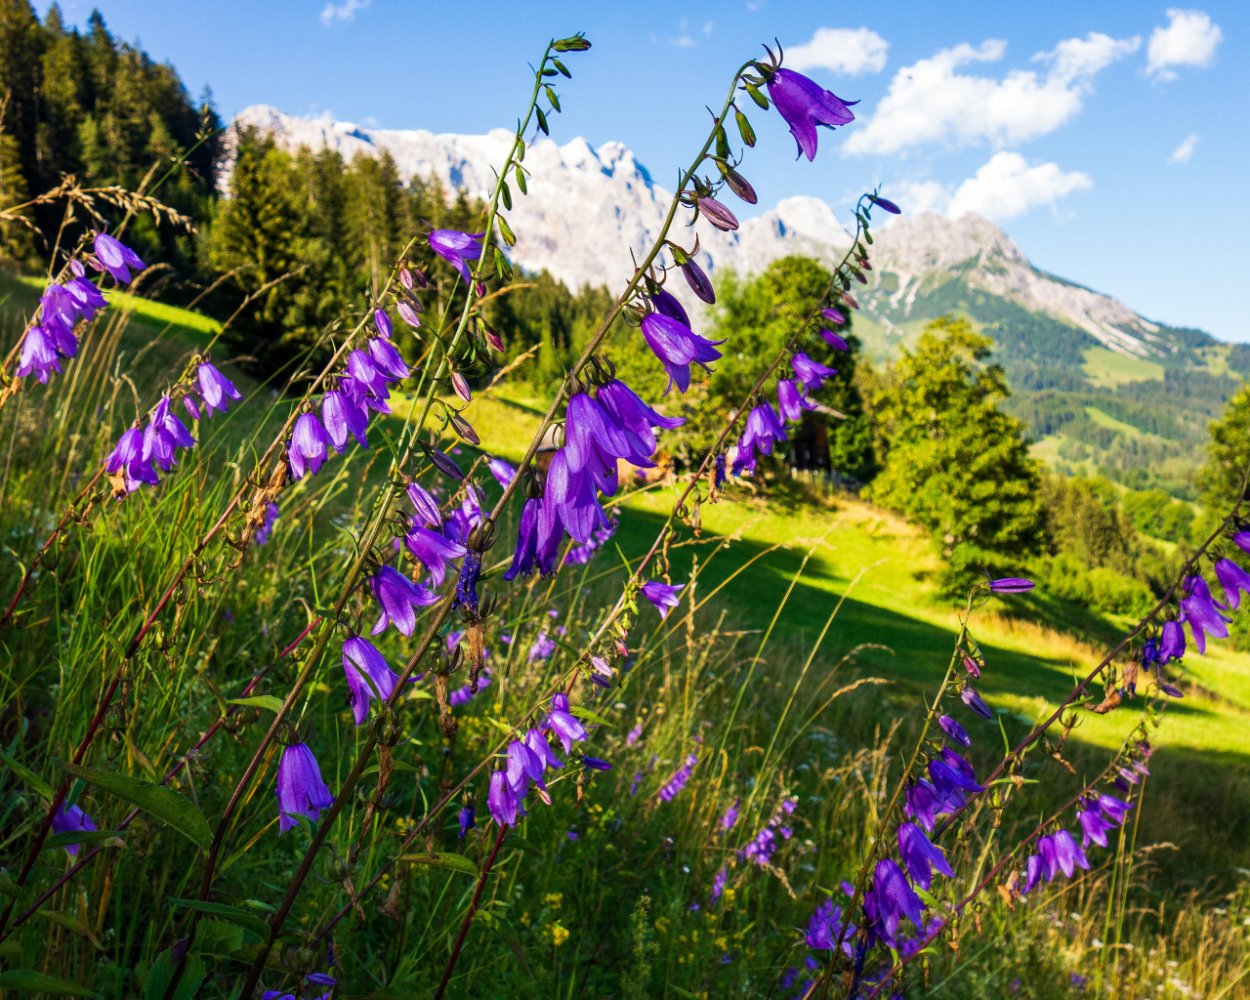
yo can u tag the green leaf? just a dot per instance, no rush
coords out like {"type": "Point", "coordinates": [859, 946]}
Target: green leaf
{"type": "Point", "coordinates": [237, 916]}
{"type": "Point", "coordinates": [29, 983]}
{"type": "Point", "coordinates": [163, 803]}
{"type": "Point", "coordinates": [452, 862]}
{"type": "Point", "coordinates": [162, 973]}
{"type": "Point", "coordinates": [81, 837]}
{"type": "Point", "coordinates": [41, 787]}
{"type": "Point", "coordinates": [217, 937]}
{"type": "Point", "coordinates": [267, 701]}
{"type": "Point", "coordinates": [582, 712]}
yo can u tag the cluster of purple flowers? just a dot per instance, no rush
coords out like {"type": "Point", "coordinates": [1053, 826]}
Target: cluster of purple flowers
{"type": "Point", "coordinates": [764, 844]}
{"type": "Point", "coordinates": [362, 387]}
{"type": "Point", "coordinates": [141, 451]}
{"type": "Point", "coordinates": [600, 430]}
{"type": "Point", "coordinates": [528, 758]}
{"type": "Point", "coordinates": [62, 306]}
{"type": "Point", "coordinates": [580, 555]}
{"type": "Point", "coordinates": [679, 778]}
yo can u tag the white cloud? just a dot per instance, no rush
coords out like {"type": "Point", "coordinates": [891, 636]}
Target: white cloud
{"type": "Point", "coordinates": [340, 13]}
{"type": "Point", "coordinates": [1006, 186]}
{"type": "Point", "coordinates": [843, 50]}
{"type": "Point", "coordinates": [930, 102]}
{"type": "Point", "coordinates": [921, 196]}
{"type": "Point", "coordinates": [1190, 39]}
{"type": "Point", "coordinates": [1185, 151]}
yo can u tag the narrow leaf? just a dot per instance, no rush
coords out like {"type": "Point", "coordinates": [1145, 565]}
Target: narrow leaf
{"type": "Point", "coordinates": [266, 701]}
{"type": "Point", "coordinates": [236, 915]}
{"type": "Point", "coordinates": [30, 983]}
{"type": "Point", "coordinates": [445, 859]}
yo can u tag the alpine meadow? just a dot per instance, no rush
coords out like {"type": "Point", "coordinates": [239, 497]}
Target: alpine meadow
{"type": "Point", "coordinates": [478, 564]}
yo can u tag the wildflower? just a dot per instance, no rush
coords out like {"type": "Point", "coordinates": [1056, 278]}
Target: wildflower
{"type": "Point", "coordinates": [1094, 825]}
{"type": "Point", "coordinates": [804, 105]}
{"type": "Point", "coordinates": [215, 388]}
{"type": "Point", "coordinates": [382, 322]}
{"type": "Point", "coordinates": [368, 675]}
{"type": "Point", "coordinates": [1067, 855]}
{"type": "Point", "coordinates": [763, 429]}
{"type": "Point", "coordinates": [678, 779]}
{"type": "Point", "coordinates": [524, 556]}
{"type": "Point", "coordinates": [596, 763]}
{"type": "Point", "coordinates": [341, 415]}
{"type": "Point", "coordinates": [811, 373]}
{"type": "Point", "coordinates": [126, 460]}
{"type": "Point", "coordinates": [633, 417]}
{"type": "Point", "coordinates": [885, 203]}
{"type": "Point", "coordinates": [1172, 641]}
{"type": "Point", "coordinates": [116, 258]}
{"type": "Point", "coordinates": [592, 436]}
{"type": "Point", "coordinates": [579, 555]}
{"type": "Point", "coordinates": [790, 402]}
{"type": "Point", "coordinates": [677, 347]}
{"type": "Point", "coordinates": [1234, 580]}
{"type": "Point", "coordinates": [954, 730]}
{"type": "Point", "coordinates": [717, 214]}
{"type": "Point", "coordinates": [920, 856]}
{"type": "Point", "coordinates": [698, 281]}
{"type": "Point", "coordinates": [975, 702]}
{"type": "Point", "coordinates": [399, 597]}
{"type": "Point", "coordinates": [271, 515]}
{"type": "Point", "coordinates": [71, 818]}
{"type": "Point", "coordinates": [306, 451]}
{"type": "Point", "coordinates": [666, 304]}
{"type": "Point", "coordinates": [408, 313]}
{"type": "Point", "coordinates": [522, 768]}
{"type": "Point", "coordinates": [569, 499]}
{"type": "Point", "coordinates": [467, 820]}
{"type": "Point", "coordinates": [662, 595]}
{"type": "Point", "coordinates": [457, 248]}
{"type": "Point", "coordinates": [39, 356]}
{"type": "Point", "coordinates": [834, 340]}
{"type": "Point", "coordinates": [501, 800]}
{"type": "Point", "coordinates": [504, 472]}
{"type": "Point", "coordinates": [834, 315]}
{"type": "Point", "coordinates": [730, 818]}
{"type": "Point", "coordinates": [1010, 585]}
{"type": "Point", "coordinates": [464, 695]}
{"type": "Point", "coordinates": [562, 722]}
{"type": "Point", "coordinates": [827, 930]}
{"type": "Point", "coordinates": [301, 792]}
{"type": "Point", "coordinates": [892, 898]}
{"type": "Point", "coordinates": [1200, 611]}
{"type": "Point", "coordinates": [433, 551]}
{"type": "Point", "coordinates": [427, 507]}
{"type": "Point", "coordinates": [973, 668]}
{"type": "Point", "coordinates": [164, 433]}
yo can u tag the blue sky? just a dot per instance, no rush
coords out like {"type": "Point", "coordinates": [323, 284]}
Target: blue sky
{"type": "Point", "coordinates": [1109, 139]}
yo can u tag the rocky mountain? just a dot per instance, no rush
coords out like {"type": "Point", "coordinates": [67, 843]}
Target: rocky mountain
{"type": "Point", "coordinates": [589, 210]}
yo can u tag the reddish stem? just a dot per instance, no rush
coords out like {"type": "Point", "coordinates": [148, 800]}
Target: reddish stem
{"type": "Point", "coordinates": [468, 917]}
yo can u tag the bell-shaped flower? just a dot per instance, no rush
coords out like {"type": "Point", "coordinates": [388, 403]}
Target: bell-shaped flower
{"type": "Point", "coordinates": [920, 855]}
{"type": "Point", "coordinates": [975, 702]}
{"type": "Point", "coordinates": [116, 258]}
{"type": "Point", "coordinates": [457, 249]}
{"type": "Point", "coordinates": [307, 449]}
{"type": "Point", "coordinates": [954, 730]}
{"type": "Point", "coordinates": [1068, 855]}
{"type": "Point", "coordinates": [563, 723]}
{"type": "Point", "coordinates": [667, 304]}
{"type": "Point", "coordinates": [215, 388]}
{"type": "Point", "coordinates": [804, 104]}
{"type": "Point", "coordinates": [368, 675]}
{"type": "Point", "coordinates": [1201, 613]}
{"type": "Point", "coordinates": [428, 511]}
{"type": "Point", "coordinates": [590, 435]}
{"type": "Point", "coordinates": [662, 595]}
{"type": "Point", "coordinates": [569, 497]}
{"type": "Point", "coordinates": [1234, 580]}
{"type": "Point", "coordinates": [677, 347]}
{"type": "Point", "coordinates": [71, 819]}
{"type": "Point", "coordinates": [387, 360]}
{"type": "Point", "coordinates": [811, 373]}
{"type": "Point", "coordinates": [301, 792]}
{"type": "Point", "coordinates": [790, 402]}
{"type": "Point", "coordinates": [399, 598]}
{"type": "Point", "coordinates": [127, 459]}
{"type": "Point", "coordinates": [698, 281]}
{"type": "Point", "coordinates": [893, 898]}
{"type": "Point", "coordinates": [635, 417]}
{"type": "Point", "coordinates": [342, 416]}
{"type": "Point", "coordinates": [39, 356]}
{"type": "Point", "coordinates": [501, 800]}
{"type": "Point", "coordinates": [433, 551]}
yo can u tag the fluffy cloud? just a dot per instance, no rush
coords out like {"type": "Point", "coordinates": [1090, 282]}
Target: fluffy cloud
{"type": "Point", "coordinates": [1006, 186]}
{"type": "Point", "coordinates": [1185, 151]}
{"type": "Point", "coordinates": [844, 50]}
{"type": "Point", "coordinates": [1190, 39]}
{"type": "Point", "coordinates": [930, 102]}
{"type": "Point", "coordinates": [334, 13]}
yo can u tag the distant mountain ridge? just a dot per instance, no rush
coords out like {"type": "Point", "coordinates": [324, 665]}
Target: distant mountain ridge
{"type": "Point", "coordinates": [588, 208]}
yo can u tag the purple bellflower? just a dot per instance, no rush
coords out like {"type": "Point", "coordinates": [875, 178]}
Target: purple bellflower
{"type": "Point", "coordinates": [1010, 585]}
{"type": "Point", "coordinates": [39, 355]}
{"type": "Point", "coordinates": [920, 856]}
{"type": "Point", "coordinates": [835, 340]}
{"type": "Point", "coordinates": [563, 723]}
{"type": "Point", "coordinates": [127, 459]}
{"type": "Point", "coordinates": [667, 304]}
{"type": "Point", "coordinates": [399, 597]}
{"type": "Point", "coordinates": [975, 702]}
{"type": "Point", "coordinates": [790, 402]}
{"type": "Point", "coordinates": [1201, 612]}
{"type": "Point", "coordinates": [834, 315]}
{"type": "Point", "coordinates": [1234, 580]}
{"type": "Point", "coordinates": [271, 516]}
{"type": "Point", "coordinates": [116, 258]}
{"type": "Point", "coordinates": [368, 675]}
{"type": "Point", "coordinates": [804, 105]}
{"type": "Point", "coordinates": [342, 415]}
{"type": "Point", "coordinates": [662, 595]}
{"type": "Point", "coordinates": [301, 792]}
{"type": "Point", "coordinates": [677, 347]}
{"type": "Point", "coordinates": [69, 819]}
{"type": "Point", "coordinates": [569, 499]}
{"type": "Point", "coordinates": [954, 730]}
{"type": "Point", "coordinates": [433, 551]}
{"type": "Point", "coordinates": [811, 373]}
{"type": "Point", "coordinates": [165, 433]}
{"type": "Point", "coordinates": [698, 281]}
{"type": "Point", "coordinates": [503, 471]}
{"type": "Point", "coordinates": [215, 388]}
{"type": "Point", "coordinates": [307, 449]}
{"type": "Point", "coordinates": [457, 249]}
{"type": "Point", "coordinates": [428, 512]}
{"type": "Point", "coordinates": [634, 418]}
{"type": "Point", "coordinates": [501, 800]}
{"type": "Point", "coordinates": [717, 214]}
{"type": "Point", "coordinates": [467, 819]}
{"type": "Point", "coordinates": [679, 779]}
{"type": "Point", "coordinates": [892, 898]}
